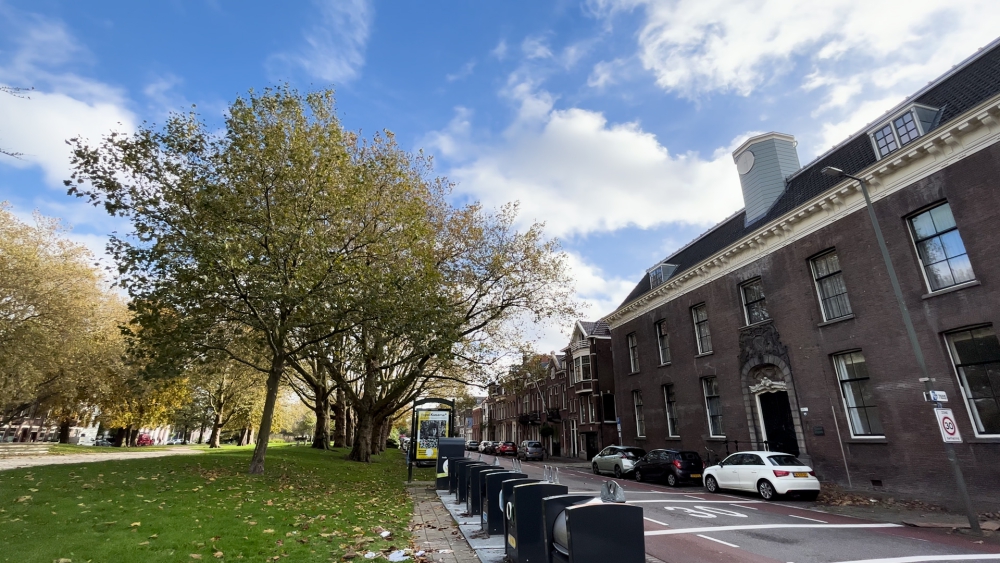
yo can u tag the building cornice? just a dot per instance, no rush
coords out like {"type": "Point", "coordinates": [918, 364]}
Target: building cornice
{"type": "Point", "coordinates": [966, 134]}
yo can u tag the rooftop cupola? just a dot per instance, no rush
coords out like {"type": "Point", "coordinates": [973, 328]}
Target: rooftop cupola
{"type": "Point", "coordinates": [764, 162]}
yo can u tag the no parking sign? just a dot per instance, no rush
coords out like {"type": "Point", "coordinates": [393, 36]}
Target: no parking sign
{"type": "Point", "coordinates": [946, 422]}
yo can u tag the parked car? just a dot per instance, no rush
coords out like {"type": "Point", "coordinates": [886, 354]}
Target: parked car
{"type": "Point", "coordinates": [486, 447]}
{"type": "Point", "coordinates": [472, 446]}
{"type": "Point", "coordinates": [144, 440]}
{"type": "Point", "coordinates": [507, 448]}
{"type": "Point", "coordinates": [771, 474]}
{"type": "Point", "coordinates": [175, 442]}
{"type": "Point", "coordinates": [103, 442]}
{"type": "Point", "coordinates": [529, 450]}
{"type": "Point", "coordinates": [673, 466]}
{"type": "Point", "coordinates": [618, 460]}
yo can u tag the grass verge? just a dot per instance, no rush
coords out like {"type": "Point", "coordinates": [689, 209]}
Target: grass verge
{"type": "Point", "coordinates": [309, 506]}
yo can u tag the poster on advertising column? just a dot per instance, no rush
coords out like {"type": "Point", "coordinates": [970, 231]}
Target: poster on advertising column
{"type": "Point", "coordinates": [431, 425]}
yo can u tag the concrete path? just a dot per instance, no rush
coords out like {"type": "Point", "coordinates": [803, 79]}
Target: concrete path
{"type": "Point", "coordinates": [17, 462]}
{"type": "Point", "coordinates": [435, 531]}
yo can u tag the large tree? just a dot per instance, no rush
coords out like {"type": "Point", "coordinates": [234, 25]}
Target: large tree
{"type": "Point", "coordinates": [256, 227]}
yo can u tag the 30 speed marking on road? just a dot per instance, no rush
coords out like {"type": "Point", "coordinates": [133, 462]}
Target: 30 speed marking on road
{"type": "Point", "coordinates": [946, 423]}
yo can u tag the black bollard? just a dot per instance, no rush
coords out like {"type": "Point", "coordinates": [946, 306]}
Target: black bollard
{"type": "Point", "coordinates": [525, 540]}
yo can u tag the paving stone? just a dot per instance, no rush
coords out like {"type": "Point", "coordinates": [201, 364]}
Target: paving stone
{"type": "Point", "coordinates": [436, 532]}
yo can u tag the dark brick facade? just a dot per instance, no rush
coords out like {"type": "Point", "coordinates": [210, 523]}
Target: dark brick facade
{"type": "Point", "coordinates": [910, 460]}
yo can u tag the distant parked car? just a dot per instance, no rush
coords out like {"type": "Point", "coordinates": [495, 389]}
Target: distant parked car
{"type": "Point", "coordinates": [673, 466]}
{"type": "Point", "coordinates": [144, 440]}
{"type": "Point", "coordinates": [618, 460]}
{"type": "Point", "coordinates": [175, 442]}
{"type": "Point", "coordinates": [506, 448]}
{"type": "Point", "coordinates": [529, 450]}
{"type": "Point", "coordinates": [486, 447]}
{"type": "Point", "coordinates": [103, 442]}
{"type": "Point", "coordinates": [769, 473]}
{"type": "Point", "coordinates": [472, 445]}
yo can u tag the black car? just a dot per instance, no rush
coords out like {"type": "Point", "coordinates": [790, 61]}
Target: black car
{"type": "Point", "coordinates": [672, 466]}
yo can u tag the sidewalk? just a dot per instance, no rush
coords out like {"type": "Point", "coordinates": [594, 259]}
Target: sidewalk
{"type": "Point", "coordinates": [435, 531]}
{"type": "Point", "coordinates": [18, 462]}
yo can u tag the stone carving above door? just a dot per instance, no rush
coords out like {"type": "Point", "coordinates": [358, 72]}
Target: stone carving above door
{"type": "Point", "coordinates": [761, 344]}
{"type": "Point", "coordinates": [767, 379]}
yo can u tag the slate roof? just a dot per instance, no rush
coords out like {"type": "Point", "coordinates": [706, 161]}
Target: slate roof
{"type": "Point", "coordinates": [596, 328]}
{"type": "Point", "coordinates": [960, 89]}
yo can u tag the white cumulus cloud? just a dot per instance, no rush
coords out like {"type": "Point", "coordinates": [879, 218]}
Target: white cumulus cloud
{"type": "Point", "coordinates": [333, 48]}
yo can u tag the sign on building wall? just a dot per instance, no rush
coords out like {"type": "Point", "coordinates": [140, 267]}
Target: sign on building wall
{"type": "Point", "coordinates": [431, 425]}
{"type": "Point", "coordinates": [946, 422]}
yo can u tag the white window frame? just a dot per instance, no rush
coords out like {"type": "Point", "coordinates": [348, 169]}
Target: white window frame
{"type": "Point", "coordinates": [640, 417]}
{"type": "Point", "coordinates": [708, 411]}
{"type": "Point", "coordinates": [843, 399]}
{"type": "Point", "coordinates": [633, 352]}
{"type": "Point", "coordinates": [743, 299]}
{"type": "Point", "coordinates": [920, 261]}
{"type": "Point", "coordinates": [661, 336]}
{"type": "Point", "coordinates": [819, 293]}
{"type": "Point", "coordinates": [578, 368]}
{"type": "Point", "coordinates": [958, 379]}
{"type": "Point", "coordinates": [912, 110]}
{"type": "Point", "coordinates": [672, 431]}
{"type": "Point", "coordinates": [697, 336]}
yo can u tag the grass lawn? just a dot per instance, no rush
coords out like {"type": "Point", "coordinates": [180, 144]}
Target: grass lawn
{"type": "Point", "coordinates": [309, 506]}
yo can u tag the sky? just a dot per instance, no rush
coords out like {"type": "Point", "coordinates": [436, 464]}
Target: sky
{"type": "Point", "coordinates": [611, 121]}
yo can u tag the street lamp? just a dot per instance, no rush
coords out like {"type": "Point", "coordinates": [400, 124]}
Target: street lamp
{"type": "Point", "coordinates": [912, 334]}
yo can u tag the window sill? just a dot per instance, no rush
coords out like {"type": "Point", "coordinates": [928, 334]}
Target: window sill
{"type": "Point", "coordinates": [673, 438]}
{"type": "Point", "coordinates": [663, 365]}
{"type": "Point", "coordinates": [757, 323]}
{"type": "Point", "coordinates": [866, 441]}
{"type": "Point", "coordinates": [958, 287]}
{"type": "Point", "coordinates": [703, 354]}
{"type": "Point", "coordinates": [715, 439]}
{"type": "Point", "coordinates": [837, 320]}
{"type": "Point", "coordinates": [640, 438]}
{"type": "Point", "coordinates": [633, 373]}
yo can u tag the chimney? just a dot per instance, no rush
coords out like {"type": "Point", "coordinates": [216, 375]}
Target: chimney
{"type": "Point", "coordinates": [764, 162]}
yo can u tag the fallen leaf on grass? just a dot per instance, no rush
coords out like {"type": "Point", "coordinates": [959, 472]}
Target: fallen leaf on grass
{"type": "Point", "coordinates": [144, 543]}
{"type": "Point", "coordinates": [218, 555]}
{"type": "Point", "coordinates": [135, 524]}
{"type": "Point", "coordinates": [25, 498]}
{"type": "Point", "coordinates": [195, 556]}
{"type": "Point", "coordinates": [268, 531]}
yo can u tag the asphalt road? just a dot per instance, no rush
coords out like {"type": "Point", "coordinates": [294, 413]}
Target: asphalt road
{"type": "Point", "coordinates": [689, 525]}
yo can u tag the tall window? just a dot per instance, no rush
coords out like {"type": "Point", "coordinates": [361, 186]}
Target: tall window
{"type": "Point", "coordinates": [670, 402]}
{"type": "Point", "coordinates": [830, 286]}
{"type": "Point", "coordinates": [700, 315]}
{"type": "Point", "coordinates": [856, 389]}
{"type": "Point", "coordinates": [754, 306]}
{"type": "Point", "coordinates": [885, 141]}
{"type": "Point", "coordinates": [976, 354]}
{"type": "Point", "coordinates": [633, 352]}
{"type": "Point", "coordinates": [593, 410]}
{"type": "Point", "coordinates": [582, 368]}
{"type": "Point", "coordinates": [663, 340]}
{"type": "Point", "coordinates": [640, 422]}
{"type": "Point", "coordinates": [713, 405]}
{"type": "Point", "coordinates": [942, 252]}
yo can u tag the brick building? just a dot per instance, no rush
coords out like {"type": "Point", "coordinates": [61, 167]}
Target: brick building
{"type": "Point", "coordinates": [778, 327]}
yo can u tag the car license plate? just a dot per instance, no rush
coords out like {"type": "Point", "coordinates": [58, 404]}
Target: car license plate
{"type": "Point", "coordinates": [800, 474]}
{"type": "Point", "coordinates": [695, 475]}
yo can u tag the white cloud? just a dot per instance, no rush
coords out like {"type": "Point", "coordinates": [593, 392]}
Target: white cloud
{"type": "Point", "coordinates": [536, 48]}
{"type": "Point", "coordinates": [695, 47]}
{"type": "Point", "coordinates": [333, 48]}
{"type": "Point", "coordinates": [500, 51]}
{"type": "Point", "coordinates": [604, 73]}
{"type": "Point", "coordinates": [580, 174]}
{"type": "Point", "coordinates": [463, 72]}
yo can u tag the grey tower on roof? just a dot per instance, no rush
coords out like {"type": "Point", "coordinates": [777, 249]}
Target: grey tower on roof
{"type": "Point", "coordinates": [764, 162]}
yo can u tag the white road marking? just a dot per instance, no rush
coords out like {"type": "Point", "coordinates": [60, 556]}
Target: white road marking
{"type": "Point", "coordinates": [922, 558]}
{"type": "Point", "coordinates": [741, 502]}
{"type": "Point", "coordinates": [656, 521]}
{"type": "Point", "coordinates": [718, 541]}
{"type": "Point", "coordinates": [809, 519]}
{"type": "Point", "coordinates": [782, 527]}
{"type": "Point", "coordinates": [694, 497]}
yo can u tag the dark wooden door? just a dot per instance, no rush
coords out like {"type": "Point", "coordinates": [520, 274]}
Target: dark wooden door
{"type": "Point", "coordinates": [778, 423]}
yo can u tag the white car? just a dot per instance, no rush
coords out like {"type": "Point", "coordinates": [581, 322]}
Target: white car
{"type": "Point", "coordinates": [769, 473]}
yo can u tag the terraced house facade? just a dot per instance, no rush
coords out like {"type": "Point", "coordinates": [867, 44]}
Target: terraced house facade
{"type": "Point", "coordinates": [778, 327]}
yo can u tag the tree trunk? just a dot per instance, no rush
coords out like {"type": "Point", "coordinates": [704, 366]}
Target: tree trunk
{"type": "Point", "coordinates": [321, 437]}
{"type": "Point", "coordinates": [386, 431]}
{"type": "Point", "coordinates": [64, 432]}
{"type": "Point", "coordinates": [133, 437]}
{"type": "Point", "coordinates": [362, 448]}
{"type": "Point", "coordinates": [348, 425]}
{"type": "Point", "coordinates": [121, 437]}
{"type": "Point", "coordinates": [340, 421]}
{"type": "Point", "coordinates": [213, 441]}
{"type": "Point", "coordinates": [273, 380]}
{"type": "Point", "coordinates": [201, 433]}
{"type": "Point", "coordinates": [187, 433]}
{"type": "Point", "coordinates": [376, 435]}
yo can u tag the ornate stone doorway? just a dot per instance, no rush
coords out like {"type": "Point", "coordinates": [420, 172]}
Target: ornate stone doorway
{"type": "Point", "coordinates": [776, 419]}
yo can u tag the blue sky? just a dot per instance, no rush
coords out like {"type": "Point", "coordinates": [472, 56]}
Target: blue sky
{"type": "Point", "coordinates": [611, 120]}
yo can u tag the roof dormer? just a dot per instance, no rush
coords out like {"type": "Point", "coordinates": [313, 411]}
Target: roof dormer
{"type": "Point", "coordinates": [902, 128]}
{"type": "Point", "coordinates": [660, 273]}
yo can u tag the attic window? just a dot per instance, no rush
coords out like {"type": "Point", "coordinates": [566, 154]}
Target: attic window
{"type": "Point", "coordinates": [901, 129]}
{"type": "Point", "coordinates": [660, 274]}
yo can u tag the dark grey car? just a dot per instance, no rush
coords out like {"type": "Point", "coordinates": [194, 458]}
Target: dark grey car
{"type": "Point", "coordinates": [529, 450]}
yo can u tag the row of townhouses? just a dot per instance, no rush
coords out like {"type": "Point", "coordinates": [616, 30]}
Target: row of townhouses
{"type": "Point", "coordinates": [778, 328]}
